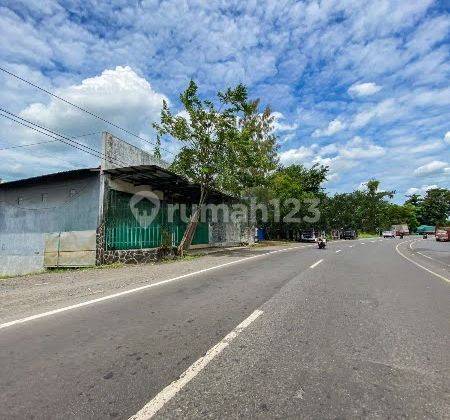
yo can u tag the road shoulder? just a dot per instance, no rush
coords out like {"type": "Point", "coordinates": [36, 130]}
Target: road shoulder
{"type": "Point", "coordinates": [27, 295]}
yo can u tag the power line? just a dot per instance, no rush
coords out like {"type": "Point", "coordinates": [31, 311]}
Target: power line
{"type": "Point", "coordinates": [48, 135]}
{"type": "Point", "coordinates": [82, 109]}
{"type": "Point", "coordinates": [45, 142]}
{"type": "Point", "coordinates": [27, 145]}
{"type": "Point", "coordinates": [59, 137]}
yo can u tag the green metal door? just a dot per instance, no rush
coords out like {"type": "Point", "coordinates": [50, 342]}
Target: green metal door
{"type": "Point", "coordinates": [123, 231]}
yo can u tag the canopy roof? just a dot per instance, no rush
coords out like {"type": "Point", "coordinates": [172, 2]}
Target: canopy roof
{"type": "Point", "coordinates": [174, 186]}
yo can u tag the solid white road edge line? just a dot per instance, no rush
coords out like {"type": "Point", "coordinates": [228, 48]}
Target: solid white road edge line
{"type": "Point", "coordinates": [153, 406]}
{"type": "Point", "coordinates": [137, 289]}
{"type": "Point", "coordinates": [316, 263]}
{"type": "Point", "coordinates": [418, 265]}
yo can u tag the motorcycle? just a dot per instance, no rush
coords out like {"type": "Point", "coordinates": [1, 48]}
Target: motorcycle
{"type": "Point", "coordinates": [321, 243]}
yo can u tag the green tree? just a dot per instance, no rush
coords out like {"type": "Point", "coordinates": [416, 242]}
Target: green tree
{"type": "Point", "coordinates": [435, 207]}
{"type": "Point", "coordinates": [294, 187]}
{"type": "Point", "coordinates": [342, 211]}
{"type": "Point", "coordinates": [414, 199]}
{"type": "Point", "coordinates": [402, 214]}
{"type": "Point", "coordinates": [373, 206]}
{"type": "Point", "coordinates": [228, 147]}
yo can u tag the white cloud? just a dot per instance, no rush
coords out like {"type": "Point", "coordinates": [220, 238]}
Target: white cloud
{"type": "Point", "coordinates": [333, 127]}
{"type": "Point", "coordinates": [447, 137]}
{"type": "Point", "coordinates": [279, 125]}
{"type": "Point", "coordinates": [119, 95]}
{"type": "Point", "coordinates": [387, 109]}
{"type": "Point", "coordinates": [434, 167]}
{"type": "Point", "coordinates": [421, 190]}
{"type": "Point", "coordinates": [364, 89]}
{"type": "Point", "coordinates": [296, 155]}
{"type": "Point", "coordinates": [340, 158]}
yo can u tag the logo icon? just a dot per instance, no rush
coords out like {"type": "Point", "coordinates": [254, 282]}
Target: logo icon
{"type": "Point", "coordinates": [143, 217]}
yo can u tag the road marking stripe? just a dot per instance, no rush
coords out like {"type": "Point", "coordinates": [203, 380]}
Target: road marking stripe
{"type": "Point", "coordinates": [316, 263]}
{"type": "Point", "coordinates": [362, 243]}
{"type": "Point", "coordinates": [423, 255]}
{"type": "Point", "coordinates": [338, 251]}
{"type": "Point", "coordinates": [153, 406]}
{"type": "Point", "coordinates": [137, 289]}
{"type": "Point", "coordinates": [421, 266]}
{"type": "Point", "coordinates": [350, 246]}
{"type": "Point", "coordinates": [426, 256]}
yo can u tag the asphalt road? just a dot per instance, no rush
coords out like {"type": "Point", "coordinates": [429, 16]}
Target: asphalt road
{"type": "Point", "coordinates": [363, 333]}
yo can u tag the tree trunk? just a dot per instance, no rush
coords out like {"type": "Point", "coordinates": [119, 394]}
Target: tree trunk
{"type": "Point", "coordinates": [191, 227]}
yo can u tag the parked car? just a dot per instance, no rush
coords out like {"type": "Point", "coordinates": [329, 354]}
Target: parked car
{"type": "Point", "coordinates": [388, 234]}
{"type": "Point", "coordinates": [443, 234]}
{"type": "Point", "coordinates": [309, 235]}
{"type": "Point", "coordinates": [349, 234]}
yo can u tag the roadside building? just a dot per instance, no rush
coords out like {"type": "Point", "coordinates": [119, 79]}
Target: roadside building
{"type": "Point", "coordinates": [102, 215]}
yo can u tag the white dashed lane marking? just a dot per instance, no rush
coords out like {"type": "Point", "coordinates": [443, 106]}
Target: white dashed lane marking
{"type": "Point", "coordinates": [316, 263]}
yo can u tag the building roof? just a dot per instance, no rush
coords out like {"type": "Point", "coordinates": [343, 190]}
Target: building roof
{"type": "Point", "coordinates": [159, 178]}
{"type": "Point", "coordinates": [164, 180]}
{"type": "Point", "coordinates": [73, 173]}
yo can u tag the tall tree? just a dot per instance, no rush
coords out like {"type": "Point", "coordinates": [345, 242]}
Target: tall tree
{"type": "Point", "coordinates": [294, 187]}
{"type": "Point", "coordinates": [373, 203]}
{"type": "Point", "coordinates": [228, 147]}
{"type": "Point", "coordinates": [435, 207]}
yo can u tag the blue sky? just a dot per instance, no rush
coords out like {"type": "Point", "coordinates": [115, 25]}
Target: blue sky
{"type": "Point", "coordinates": [360, 86]}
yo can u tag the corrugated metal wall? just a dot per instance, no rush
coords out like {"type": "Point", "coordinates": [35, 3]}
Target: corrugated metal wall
{"type": "Point", "coordinates": [123, 230]}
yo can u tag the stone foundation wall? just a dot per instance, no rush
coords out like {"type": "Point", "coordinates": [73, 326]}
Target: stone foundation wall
{"type": "Point", "coordinates": [136, 256]}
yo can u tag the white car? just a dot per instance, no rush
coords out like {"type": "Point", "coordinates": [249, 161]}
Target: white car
{"type": "Point", "coordinates": [388, 234]}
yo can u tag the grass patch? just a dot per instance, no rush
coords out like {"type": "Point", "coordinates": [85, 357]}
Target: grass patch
{"type": "Point", "coordinates": [366, 235]}
{"type": "Point", "coordinates": [261, 244]}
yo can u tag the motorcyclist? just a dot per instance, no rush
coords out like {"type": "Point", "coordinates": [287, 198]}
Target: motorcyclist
{"type": "Point", "coordinates": [321, 242]}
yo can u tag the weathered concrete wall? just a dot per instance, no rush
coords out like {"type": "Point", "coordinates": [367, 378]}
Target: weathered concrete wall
{"type": "Point", "coordinates": [118, 153]}
{"type": "Point", "coordinates": [51, 206]}
{"type": "Point", "coordinates": [225, 232]}
{"type": "Point", "coordinates": [230, 233]}
{"type": "Point", "coordinates": [28, 211]}
{"type": "Point", "coordinates": [21, 253]}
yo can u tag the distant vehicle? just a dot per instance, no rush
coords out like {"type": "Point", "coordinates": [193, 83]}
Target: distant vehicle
{"type": "Point", "coordinates": [443, 234]}
{"type": "Point", "coordinates": [400, 229]}
{"type": "Point", "coordinates": [388, 234]}
{"type": "Point", "coordinates": [309, 236]}
{"type": "Point", "coordinates": [349, 234]}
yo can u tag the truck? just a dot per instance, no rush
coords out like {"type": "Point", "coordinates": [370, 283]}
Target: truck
{"type": "Point", "coordinates": [400, 230]}
{"type": "Point", "coordinates": [443, 234]}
